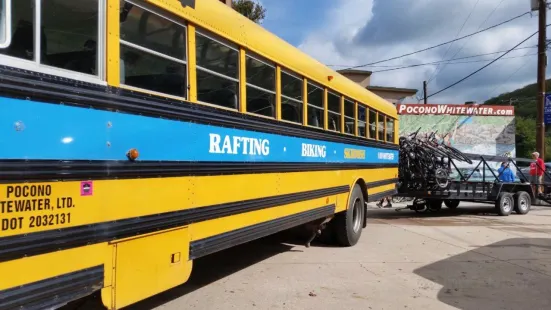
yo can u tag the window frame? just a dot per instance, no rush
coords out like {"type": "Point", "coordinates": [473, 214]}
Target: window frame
{"type": "Point", "coordinates": [368, 122]}
{"type": "Point", "coordinates": [273, 64]}
{"type": "Point", "coordinates": [221, 41]}
{"type": "Point", "coordinates": [7, 28]}
{"type": "Point", "coordinates": [229, 44]}
{"type": "Point", "coordinates": [353, 118]}
{"type": "Point", "coordinates": [36, 66]}
{"type": "Point", "coordinates": [258, 58]}
{"type": "Point", "coordinates": [308, 104]}
{"type": "Point", "coordinates": [379, 115]}
{"type": "Point", "coordinates": [388, 120]}
{"type": "Point", "coordinates": [153, 10]}
{"type": "Point", "coordinates": [364, 120]}
{"type": "Point", "coordinates": [296, 76]}
{"type": "Point", "coordinates": [282, 96]}
{"type": "Point", "coordinates": [329, 111]}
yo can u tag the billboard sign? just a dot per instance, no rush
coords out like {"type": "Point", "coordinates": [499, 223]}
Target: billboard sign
{"type": "Point", "coordinates": [455, 109]}
{"type": "Point", "coordinates": [475, 129]}
{"type": "Point", "coordinates": [547, 109]}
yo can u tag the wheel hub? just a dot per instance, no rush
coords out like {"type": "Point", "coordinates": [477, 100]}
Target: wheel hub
{"type": "Point", "coordinates": [356, 215]}
{"type": "Point", "coordinates": [506, 205]}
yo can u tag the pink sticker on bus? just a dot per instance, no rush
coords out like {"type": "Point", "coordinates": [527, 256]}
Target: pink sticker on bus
{"type": "Point", "coordinates": [86, 188]}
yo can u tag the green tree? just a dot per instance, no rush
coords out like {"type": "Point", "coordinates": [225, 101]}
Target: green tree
{"type": "Point", "coordinates": [524, 101]}
{"type": "Point", "coordinates": [250, 9]}
{"type": "Point", "coordinates": [526, 138]}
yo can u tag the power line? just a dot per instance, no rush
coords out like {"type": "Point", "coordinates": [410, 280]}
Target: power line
{"type": "Point", "coordinates": [467, 41]}
{"type": "Point", "coordinates": [441, 44]}
{"type": "Point", "coordinates": [449, 63]}
{"type": "Point", "coordinates": [465, 57]}
{"type": "Point", "coordinates": [435, 73]}
{"type": "Point", "coordinates": [475, 72]}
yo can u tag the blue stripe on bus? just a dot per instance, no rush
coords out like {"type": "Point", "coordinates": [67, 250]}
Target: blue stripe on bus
{"type": "Point", "coordinates": [35, 130]}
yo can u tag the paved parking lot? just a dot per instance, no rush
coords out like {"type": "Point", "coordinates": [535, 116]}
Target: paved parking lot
{"type": "Point", "coordinates": [467, 258]}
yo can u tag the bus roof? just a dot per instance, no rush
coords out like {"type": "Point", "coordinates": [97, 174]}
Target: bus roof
{"type": "Point", "coordinates": [220, 19]}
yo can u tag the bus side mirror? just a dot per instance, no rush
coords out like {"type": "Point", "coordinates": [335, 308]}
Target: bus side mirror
{"type": "Point", "coordinates": [5, 23]}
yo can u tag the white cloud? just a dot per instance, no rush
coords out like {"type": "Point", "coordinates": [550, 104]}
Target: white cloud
{"type": "Point", "coordinates": [363, 31]}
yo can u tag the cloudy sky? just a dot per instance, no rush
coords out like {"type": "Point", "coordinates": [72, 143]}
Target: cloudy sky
{"type": "Point", "coordinates": [344, 33]}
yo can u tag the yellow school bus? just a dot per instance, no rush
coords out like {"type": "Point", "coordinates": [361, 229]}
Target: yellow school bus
{"type": "Point", "coordinates": [137, 136]}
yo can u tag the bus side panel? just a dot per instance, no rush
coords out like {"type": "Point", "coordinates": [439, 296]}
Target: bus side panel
{"type": "Point", "coordinates": [149, 265]}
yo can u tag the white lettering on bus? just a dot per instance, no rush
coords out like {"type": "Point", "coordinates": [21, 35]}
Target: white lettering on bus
{"type": "Point", "coordinates": [313, 150]}
{"type": "Point", "coordinates": [235, 144]}
{"type": "Point", "coordinates": [386, 156]}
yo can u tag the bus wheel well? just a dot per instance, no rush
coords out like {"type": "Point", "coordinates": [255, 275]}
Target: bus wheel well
{"type": "Point", "coordinates": [363, 186]}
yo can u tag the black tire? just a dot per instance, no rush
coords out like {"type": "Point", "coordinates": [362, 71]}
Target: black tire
{"type": "Point", "coordinates": [434, 205]}
{"type": "Point", "coordinates": [349, 224]}
{"type": "Point", "coordinates": [451, 204]}
{"type": "Point", "coordinates": [504, 204]}
{"type": "Point", "coordinates": [523, 203]}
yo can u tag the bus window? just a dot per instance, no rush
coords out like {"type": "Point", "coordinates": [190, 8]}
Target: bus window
{"type": "Point", "coordinates": [333, 112]}
{"type": "Point", "coordinates": [291, 98]}
{"type": "Point", "coordinates": [153, 50]}
{"type": "Point", "coordinates": [349, 122]}
{"type": "Point", "coordinates": [22, 29]}
{"type": "Point", "coordinates": [70, 35]}
{"type": "Point", "coordinates": [217, 72]}
{"type": "Point", "coordinates": [381, 127]}
{"type": "Point", "coordinates": [389, 130]}
{"type": "Point", "coordinates": [372, 124]}
{"type": "Point", "coordinates": [315, 106]}
{"type": "Point", "coordinates": [5, 23]}
{"type": "Point", "coordinates": [361, 121]}
{"type": "Point", "coordinates": [260, 87]}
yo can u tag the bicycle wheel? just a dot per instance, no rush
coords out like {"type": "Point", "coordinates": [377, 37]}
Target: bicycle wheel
{"type": "Point", "coordinates": [458, 153]}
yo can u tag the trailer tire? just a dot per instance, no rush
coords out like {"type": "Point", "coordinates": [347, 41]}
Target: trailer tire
{"type": "Point", "coordinates": [348, 224]}
{"type": "Point", "coordinates": [504, 204]}
{"type": "Point", "coordinates": [434, 205]}
{"type": "Point", "coordinates": [523, 203]}
{"type": "Point", "coordinates": [451, 203]}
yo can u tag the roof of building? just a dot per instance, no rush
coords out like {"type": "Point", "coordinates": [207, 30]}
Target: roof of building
{"type": "Point", "coordinates": [354, 71]}
{"type": "Point", "coordinates": [411, 91]}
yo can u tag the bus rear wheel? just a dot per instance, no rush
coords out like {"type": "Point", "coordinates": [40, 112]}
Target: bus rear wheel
{"type": "Point", "coordinates": [349, 224]}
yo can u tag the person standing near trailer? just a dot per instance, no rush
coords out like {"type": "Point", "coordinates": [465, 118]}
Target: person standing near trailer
{"type": "Point", "coordinates": [537, 168]}
{"type": "Point", "coordinates": [505, 173]}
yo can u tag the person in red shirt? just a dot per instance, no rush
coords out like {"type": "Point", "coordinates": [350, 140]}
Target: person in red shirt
{"type": "Point", "coordinates": [537, 167]}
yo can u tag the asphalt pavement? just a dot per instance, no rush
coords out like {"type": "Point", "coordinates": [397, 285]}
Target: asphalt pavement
{"type": "Point", "coordinates": [468, 258]}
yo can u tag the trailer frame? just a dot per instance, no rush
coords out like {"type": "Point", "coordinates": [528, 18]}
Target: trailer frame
{"type": "Point", "coordinates": [506, 196]}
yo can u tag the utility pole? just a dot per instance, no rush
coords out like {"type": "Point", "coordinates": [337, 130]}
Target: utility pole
{"type": "Point", "coordinates": [540, 125]}
{"type": "Point", "coordinates": [425, 91]}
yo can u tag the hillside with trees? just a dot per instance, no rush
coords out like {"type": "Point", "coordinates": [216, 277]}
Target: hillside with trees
{"type": "Point", "coordinates": [524, 101]}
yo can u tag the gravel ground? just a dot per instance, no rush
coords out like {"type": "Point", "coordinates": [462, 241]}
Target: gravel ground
{"type": "Point", "coordinates": [467, 258]}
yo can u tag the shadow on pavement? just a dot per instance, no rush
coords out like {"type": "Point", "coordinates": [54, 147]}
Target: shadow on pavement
{"type": "Point", "coordinates": [217, 266]}
{"type": "Point", "coordinates": [391, 213]}
{"type": "Point", "coordinates": [511, 274]}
